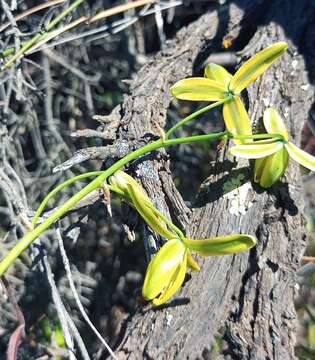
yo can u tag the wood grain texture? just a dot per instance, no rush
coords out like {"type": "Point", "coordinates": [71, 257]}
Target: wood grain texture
{"type": "Point", "coordinates": [247, 300]}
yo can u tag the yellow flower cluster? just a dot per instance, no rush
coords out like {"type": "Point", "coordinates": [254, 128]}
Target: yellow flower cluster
{"type": "Point", "coordinates": [218, 84]}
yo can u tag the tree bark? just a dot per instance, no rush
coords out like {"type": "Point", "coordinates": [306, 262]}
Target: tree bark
{"type": "Point", "coordinates": [242, 306]}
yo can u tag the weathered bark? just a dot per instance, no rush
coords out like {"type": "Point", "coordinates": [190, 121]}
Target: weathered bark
{"type": "Point", "coordinates": [248, 299]}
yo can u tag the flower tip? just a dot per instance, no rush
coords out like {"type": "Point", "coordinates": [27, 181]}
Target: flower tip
{"type": "Point", "coordinates": [192, 263]}
{"type": "Point", "coordinates": [158, 302]}
{"type": "Point", "coordinates": [283, 45]}
{"type": "Point", "coordinates": [146, 293]}
{"type": "Point", "coordinates": [251, 241]}
{"type": "Point", "coordinates": [278, 47]}
{"type": "Point", "coordinates": [256, 66]}
{"type": "Point", "coordinates": [173, 89]}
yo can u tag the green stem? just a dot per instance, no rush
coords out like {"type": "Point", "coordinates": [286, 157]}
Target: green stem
{"type": "Point", "coordinates": [193, 116]}
{"type": "Point", "coordinates": [23, 49]}
{"type": "Point", "coordinates": [257, 136]}
{"type": "Point", "coordinates": [29, 237]}
{"type": "Point", "coordinates": [28, 44]}
{"type": "Point", "coordinates": [59, 188]}
{"type": "Point", "coordinates": [63, 14]}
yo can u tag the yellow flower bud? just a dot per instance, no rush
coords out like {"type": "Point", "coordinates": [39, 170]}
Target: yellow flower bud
{"type": "Point", "coordinates": [166, 272]}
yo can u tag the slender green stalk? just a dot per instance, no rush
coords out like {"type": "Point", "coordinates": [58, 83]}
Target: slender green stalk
{"type": "Point", "coordinates": [23, 49]}
{"type": "Point", "coordinates": [273, 137]}
{"type": "Point", "coordinates": [28, 44]}
{"type": "Point", "coordinates": [63, 14]}
{"type": "Point", "coordinates": [98, 182]}
{"type": "Point", "coordinates": [193, 116]}
{"type": "Point", "coordinates": [59, 188]}
{"type": "Point", "coordinates": [29, 237]}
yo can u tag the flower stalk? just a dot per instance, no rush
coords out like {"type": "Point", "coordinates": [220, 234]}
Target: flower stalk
{"type": "Point", "coordinates": [29, 237]}
{"type": "Point", "coordinates": [271, 151]}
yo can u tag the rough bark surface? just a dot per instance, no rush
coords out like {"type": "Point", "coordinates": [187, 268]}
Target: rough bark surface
{"type": "Point", "coordinates": [248, 299]}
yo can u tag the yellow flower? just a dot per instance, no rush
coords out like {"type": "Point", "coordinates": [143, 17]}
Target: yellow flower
{"type": "Point", "coordinates": [138, 198]}
{"type": "Point", "coordinates": [218, 84]}
{"type": "Point", "coordinates": [272, 156]}
{"type": "Point", "coordinates": [166, 272]}
{"type": "Point", "coordinates": [167, 269]}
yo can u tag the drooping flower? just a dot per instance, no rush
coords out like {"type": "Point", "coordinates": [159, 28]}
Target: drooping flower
{"type": "Point", "coordinates": [166, 271]}
{"type": "Point", "coordinates": [138, 198]}
{"type": "Point", "coordinates": [272, 156]}
{"type": "Point", "coordinates": [218, 84]}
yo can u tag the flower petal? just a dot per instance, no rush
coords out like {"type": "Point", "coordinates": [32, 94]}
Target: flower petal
{"type": "Point", "coordinates": [192, 263]}
{"type": "Point", "coordinates": [274, 124]}
{"type": "Point", "coordinates": [255, 66]}
{"type": "Point", "coordinates": [199, 89]}
{"type": "Point", "coordinates": [218, 73]}
{"type": "Point", "coordinates": [175, 283]}
{"type": "Point", "coordinates": [255, 151]}
{"type": "Point", "coordinates": [274, 167]}
{"type": "Point", "coordinates": [162, 268]}
{"type": "Point", "coordinates": [301, 156]}
{"type": "Point", "coordinates": [236, 119]}
{"type": "Point", "coordinates": [258, 168]}
{"type": "Point", "coordinates": [222, 245]}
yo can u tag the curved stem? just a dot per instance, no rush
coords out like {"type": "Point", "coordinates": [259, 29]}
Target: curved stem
{"type": "Point", "coordinates": [59, 188]}
{"type": "Point", "coordinates": [257, 136]}
{"type": "Point", "coordinates": [193, 116]}
{"type": "Point", "coordinates": [29, 237]}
